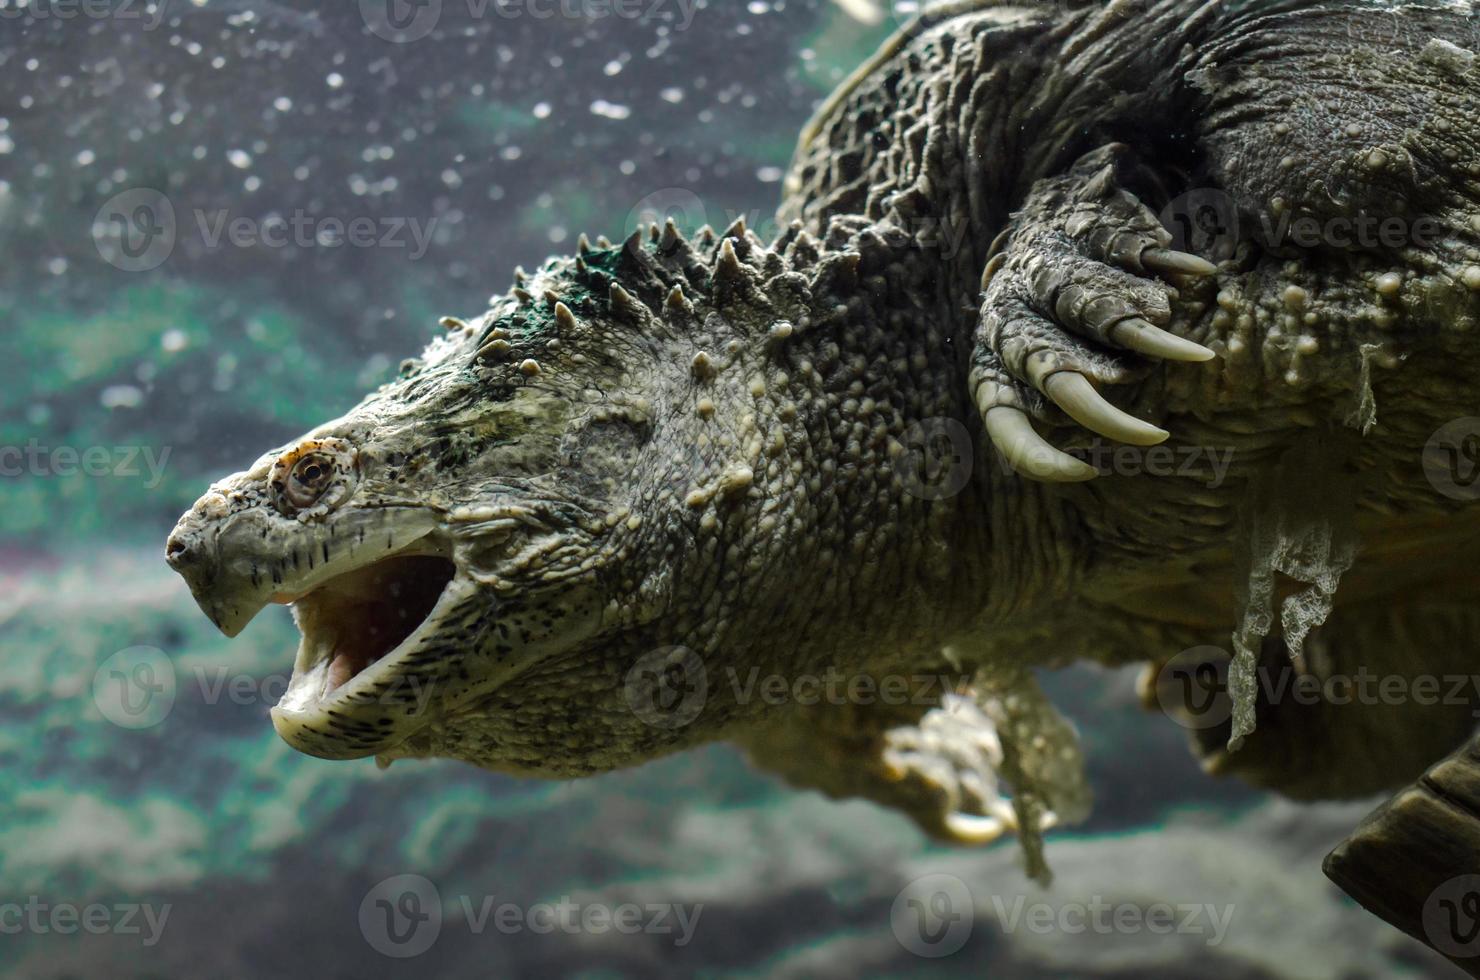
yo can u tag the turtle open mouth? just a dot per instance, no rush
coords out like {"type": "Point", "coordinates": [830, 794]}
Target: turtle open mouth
{"type": "Point", "coordinates": [360, 618]}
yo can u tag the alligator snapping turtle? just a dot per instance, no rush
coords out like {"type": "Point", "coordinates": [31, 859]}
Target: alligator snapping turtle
{"type": "Point", "coordinates": [571, 534]}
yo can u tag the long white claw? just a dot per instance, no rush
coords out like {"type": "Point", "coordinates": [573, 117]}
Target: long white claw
{"type": "Point", "coordinates": [1028, 452]}
{"type": "Point", "coordinates": [1181, 263]}
{"type": "Point", "coordinates": [969, 828]}
{"type": "Point", "coordinates": [1146, 338]}
{"type": "Point", "coordinates": [1072, 392]}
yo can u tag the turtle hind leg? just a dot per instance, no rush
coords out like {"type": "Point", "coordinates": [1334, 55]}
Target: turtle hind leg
{"type": "Point", "coordinates": [941, 760]}
{"type": "Point", "coordinates": [1379, 694]}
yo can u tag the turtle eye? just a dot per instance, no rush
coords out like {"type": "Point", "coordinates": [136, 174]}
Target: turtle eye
{"type": "Point", "coordinates": [308, 480]}
{"type": "Point", "coordinates": [313, 478]}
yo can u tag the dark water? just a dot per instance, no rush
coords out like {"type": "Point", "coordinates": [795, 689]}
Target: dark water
{"type": "Point", "coordinates": [220, 223]}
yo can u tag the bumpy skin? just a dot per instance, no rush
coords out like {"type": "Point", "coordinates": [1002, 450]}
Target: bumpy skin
{"type": "Point", "coordinates": [691, 464]}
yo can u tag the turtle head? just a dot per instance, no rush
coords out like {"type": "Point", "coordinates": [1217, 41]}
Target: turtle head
{"type": "Point", "coordinates": [477, 554]}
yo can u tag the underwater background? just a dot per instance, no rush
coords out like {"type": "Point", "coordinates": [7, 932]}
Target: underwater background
{"type": "Point", "coordinates": [220, 224]}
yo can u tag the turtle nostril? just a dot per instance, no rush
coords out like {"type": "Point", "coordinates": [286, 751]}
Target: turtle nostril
{"type": "Point", "coordinates": [175, 550]}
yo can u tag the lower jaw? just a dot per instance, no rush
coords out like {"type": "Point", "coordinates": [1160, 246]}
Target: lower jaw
{"type": "Point", "coordinates": [313, 735]}
{"type": "Point", "coordinates": [343, 700]}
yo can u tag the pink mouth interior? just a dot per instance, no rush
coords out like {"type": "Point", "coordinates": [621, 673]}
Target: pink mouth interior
{"type": "Point", "coordinates": [362, 615]}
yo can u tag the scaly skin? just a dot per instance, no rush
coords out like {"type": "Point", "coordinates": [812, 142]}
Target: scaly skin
{"type": "Point", "coordinates": [679, 464]}
{"type": "Point", "coordinates": [1039, 189]}
{"type": "Point", "coordinates": [668, 454]}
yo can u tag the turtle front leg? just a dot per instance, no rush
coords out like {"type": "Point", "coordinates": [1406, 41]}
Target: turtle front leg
{"type": "Point", "coordinates": [1071, 303]}
{"type": "Point", "coordinates": [942, 759]}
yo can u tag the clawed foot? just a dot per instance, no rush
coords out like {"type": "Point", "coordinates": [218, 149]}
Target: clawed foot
{"type": "Point", "coordinates": [948, 763]}
{"type": "Point", "coordinates": [944, 765]}
{"type": "Point", "coordinates": [1067, 294]}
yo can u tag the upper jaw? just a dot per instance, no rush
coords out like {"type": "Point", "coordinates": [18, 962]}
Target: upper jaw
{"type": "Point", "coordinates": [238, 563]}
{"type": "Point", "coordinates": [366, 583]}
{"type": "Point", "coordinates": [394, 604]}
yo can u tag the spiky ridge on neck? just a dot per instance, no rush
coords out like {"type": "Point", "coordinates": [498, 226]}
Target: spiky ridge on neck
{"type": "Point", "coordinates": [665, 286]}
{"type": "Point", "coordinates": [839, 346]}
